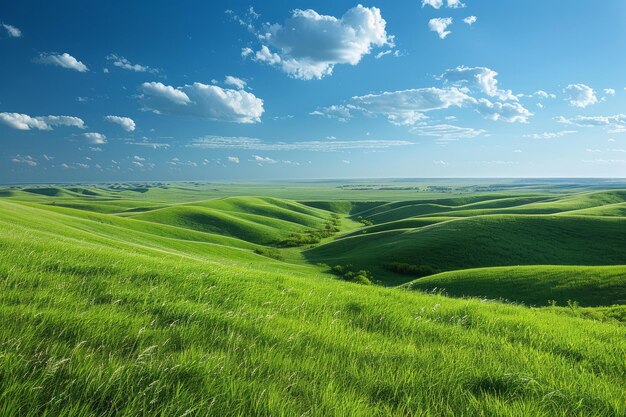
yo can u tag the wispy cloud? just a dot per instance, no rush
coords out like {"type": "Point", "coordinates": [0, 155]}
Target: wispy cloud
{"type": "Point", "coordinates": [123, 63]}
{"type": "Point", "coordinates": [247, 143]}
{"type": "Point", "coordinates": [64, 60]}
{"type": "Point", "coordinates": [12, 31]}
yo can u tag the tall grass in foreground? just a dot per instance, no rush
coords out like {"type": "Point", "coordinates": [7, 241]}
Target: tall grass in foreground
{"type": "Point", "coordinates": [92, 328]}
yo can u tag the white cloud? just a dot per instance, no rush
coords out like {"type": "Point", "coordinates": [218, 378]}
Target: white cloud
{"type": "Point", "coordinates": [470, 20]}
{"type": "Point", "coordinates": [263, 159]}
{"type": "Point", "coordinates": [455, 4]}
{"type": "Point", "coordinates": [26, 160]}
{"type": "Point", "coordinates": [405, 107]}
{"type": "Point", "coordinates": [309, 45]}
{"type": "Point", "coordinates": [12, 31]}
{"type": "Point", "coordinates": [433, 3]}
{"type": "Point", "coordinates": [203, 101]}
{"type": "Point", "coordinates": [158, 90]}
{"type": "Point", "coordinates": [437, 4]}
{"type": "Point", "coordinates": [446, 132]}
{"type": "Point", "coordinates": [408, 107]}
{"type": "Point", "coordinates": [609, 91]}
{"type": "Point", "coordinates": [542, 94]}
{"type": "Point", "coordinates": [95, 138]}
{"type": "Point", "coordinates": [550, 135]}
{"type": "Point", "coordinates": [121, 62]}
{"type": "Point", "coordinates": [339, 112]}
{"type": "Point", "coordinates": [146, 143]}
{"type": "Point", "coordinates": [25, 122]}
{"type": "Point", "coordinates": [508, 112]}
{"type": "Point", "coordinates": [246, 143]}
{"type": "Point", "coordinates": [440, 25]}
{"type": "Point", "coordinates": [580, 95]}
{"type": "Point", "coordinates": [64, 60]}
{"type": "Point", "coordinates": [440, 162]}
{"type": "Point", "coordinates": [517, 151]}
{"type": "Point", "coordinates": [138, 158]}
{"type": "Point", "coordinates": [477, 77]}
{"type": "Point", "coordinates": [127, 123]}
{"type": "Point", "coordinates": [234, 81]}
{"type": "Point", "coordinates": [391, 52]}
{"type": "Point", "coordinates": [233, 159]}
{"type": "Point", "coordinates": [615, 123]}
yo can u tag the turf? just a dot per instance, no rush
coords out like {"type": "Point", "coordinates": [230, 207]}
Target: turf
{"type": "Point", "coordinates": [186, 310]}
{"type": "Point", "coordinates": [483, 241]}
{"type": "Point", "coordinates": [534, 285]}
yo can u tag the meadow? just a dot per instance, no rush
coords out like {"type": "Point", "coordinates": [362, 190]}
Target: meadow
{"type": "Point", "coordinates": [346, 298]}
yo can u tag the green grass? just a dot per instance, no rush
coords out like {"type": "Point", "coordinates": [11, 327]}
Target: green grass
{"type": "Point", "coordinates": [262, 221]}
{"type": "Point", "coordinates": [499, 240]}
{"type": "Point", "coordinates": [184, 311]}
{"type": "Point", "coordinates": [534, 285]}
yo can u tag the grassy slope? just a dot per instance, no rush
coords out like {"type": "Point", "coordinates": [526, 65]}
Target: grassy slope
{"type": "Point", "coordinates": [498, 240]}
{"type": "Point", "coordinates": [253, 219]}
{"type": "Point", "coordinates": [534, 285]}
{"type": "Point", "coordinates": [94, 325]}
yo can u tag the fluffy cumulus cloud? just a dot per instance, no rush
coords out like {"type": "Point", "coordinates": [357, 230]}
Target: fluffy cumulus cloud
{"type": "Point", "coordinates": [507, 112]}
{"type": "Point", "coordinates": [463, 88]}
{"type": "Point", "coordinates": [95, 138]}
{"type": "Point", "coordinates": [126, 123]}
{"type": "Point", "coordinates": [12, 31]}
{"type": "Point", "coordinates": [580, 95]}
{"type": "Point", "coordinates": [437, 4]}
{"type": "Point", "coordinates": [64, 60]}
{"type": "Point", "coordinates": [470, 20]}
{"type": "Point", "coordinates": [481, 78]}
{"type": "Point", "coordinates": [308, 45]}
{"type": "Point", "coordinates": [25, 122]}
{"type": "Point", "coordinates": [203, 101]}
{"type": "Point", "coordinates": [446, 132]}
{"type": "Point", "coordinates": [440, 25]}
{"type": "Point", "coordinates": [123, 63]}
{"type": "Point", "coordinates": [255, 144]}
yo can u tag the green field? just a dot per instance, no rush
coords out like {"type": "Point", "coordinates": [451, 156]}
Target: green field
{"type": "Point", "coordinates": [483, 298]}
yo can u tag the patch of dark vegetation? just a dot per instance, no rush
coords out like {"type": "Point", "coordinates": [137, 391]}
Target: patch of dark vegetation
{"type": "Point", "coordinates": [312, 237]}
{"type": "Point", "coordinates": [364, 221]}
{"type": "Point", "coordinates": [350, 274]}
{"type": "Point", "coordinates": [416, 271]}
{"type": "Point", "coordinates": [48, 191]}
{"type": "Point", "coordinates": [269, 253]}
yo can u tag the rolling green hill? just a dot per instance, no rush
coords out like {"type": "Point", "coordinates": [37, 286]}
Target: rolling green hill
{"type": "Point", "coordinates": [483, 241]}
{"type": "Point", "coordinates": [156, 300]}
{"type": "Point", "coordinates": [257, 220]}
{"type": "Point", "coordinates": [534, 285]}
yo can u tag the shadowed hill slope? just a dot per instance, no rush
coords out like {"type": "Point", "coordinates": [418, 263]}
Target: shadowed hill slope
{"type": "Point", "coordinates": [534, 285]}
{"type": "Point", "coordinates": [498, 240]}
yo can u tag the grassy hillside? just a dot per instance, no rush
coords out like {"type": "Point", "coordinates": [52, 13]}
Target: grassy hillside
{"type": "Point", "coordinates": [160, 300]}
{"type": "Point", "coordinates": [257, 220]}
{"type": "Point", "coordinates": [485, 241]}
{"type": "Point", "coordinates": [534, 285]}
{"type": "Point", "coordinates": [102, 326]}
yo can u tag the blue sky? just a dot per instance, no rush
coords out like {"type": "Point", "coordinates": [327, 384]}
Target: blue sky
{"type": "Point", "coordinates": [119, 91]}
